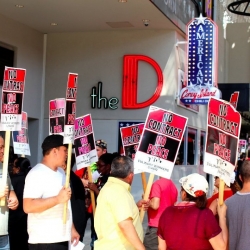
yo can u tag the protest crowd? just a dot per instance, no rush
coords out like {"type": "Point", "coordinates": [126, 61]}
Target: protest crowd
{"type": "Point", "coordinates": [47, 206]}
{"type": "Point", "coordinates": [38, 193]}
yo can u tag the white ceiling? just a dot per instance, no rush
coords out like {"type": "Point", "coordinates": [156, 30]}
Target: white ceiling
{"type": "Point", "coordinates": [84, 15]}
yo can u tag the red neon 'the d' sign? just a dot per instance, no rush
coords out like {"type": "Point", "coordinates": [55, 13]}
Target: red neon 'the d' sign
{"type": "Point", "coordinates": [130, 80]}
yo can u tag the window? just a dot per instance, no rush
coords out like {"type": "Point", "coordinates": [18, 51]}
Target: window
{"type": "Point", "coordinates": [191, 146]}
{"type": "Point", "coordinates": [187, 154]}
{"type": "Point", "coordinates": [202, 146]}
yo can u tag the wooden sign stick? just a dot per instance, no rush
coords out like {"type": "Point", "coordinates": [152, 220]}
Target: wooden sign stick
{"type": "Point", "coordinates": [67, 181]}
{"type": "Point", "coordinates": [146, 195]}
{"type": "Point", "coordinates": [221, 192]}
{"type": "Point", "coordinates": [92, 194]}
{"type": "Point", "coordinates": [144, 182]}
{"type": "Point", "coordinates": [5, 164]}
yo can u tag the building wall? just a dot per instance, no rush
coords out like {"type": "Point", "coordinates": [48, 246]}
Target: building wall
{"type": "Point", "coordinates": [28, 46]}
{"type": "Point", "coordinates": [95, 56]}
{"type": "Point", "coordinates": [98, 56]}
{"type": "Point", "coordinates": [238, 52]}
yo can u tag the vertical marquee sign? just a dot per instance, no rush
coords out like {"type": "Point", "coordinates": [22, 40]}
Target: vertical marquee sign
{"type": "Point", "coordinates": [201, 68]}
{"type": "Point", "coordinates": [70, 113]}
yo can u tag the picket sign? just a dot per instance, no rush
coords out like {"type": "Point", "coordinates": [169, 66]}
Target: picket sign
{"type": "Point", "coordinates": [131, 136]}
{"type": "Point", "coordinates": [11, 111]}
{"type": "Point", "coordinates": [222, 141]}
{"type": "Point", "coordinates": [85, 150]}
{"type": "Point", "coordinates": [67, 181]}
{"type": "Point", "coordinates": [159, 145]}
{"type": "Point", "coordinates": [68, 138]}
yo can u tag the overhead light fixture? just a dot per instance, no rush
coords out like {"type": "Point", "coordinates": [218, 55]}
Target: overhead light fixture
{"type": "Point", "coordinates": [19, 6]}
{"type": "Point", "coordinates": [53, 24]}
{"type": "Point", "coordinates": [122, 1]}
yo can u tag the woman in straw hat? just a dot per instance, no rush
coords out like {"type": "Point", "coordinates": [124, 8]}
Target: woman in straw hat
{"type": "Point", "coordinates": [189, 224]}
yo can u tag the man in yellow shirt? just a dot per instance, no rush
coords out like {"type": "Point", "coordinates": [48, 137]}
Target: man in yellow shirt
{"type": "Point", "coordinates": [117, 220]}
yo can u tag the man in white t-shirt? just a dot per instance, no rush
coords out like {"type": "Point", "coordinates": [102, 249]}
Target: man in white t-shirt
{"type": "Point", "coordinates": [44, 197]}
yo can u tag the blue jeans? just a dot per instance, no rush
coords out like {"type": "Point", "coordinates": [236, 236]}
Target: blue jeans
{"type": "Point", "coordinates": [4, 242]}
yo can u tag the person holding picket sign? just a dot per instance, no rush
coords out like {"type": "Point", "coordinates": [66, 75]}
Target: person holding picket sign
{"type": "Point", "coordinates": [117, 220]}
{"type": "Point", "coordinates": [163, 194]}
{"type": "Point", "coordinates": [44, 197]}
{"type": "Point", "coordinates": [189, 224]}
{"type": "Point", "coordinates": [18, 234]}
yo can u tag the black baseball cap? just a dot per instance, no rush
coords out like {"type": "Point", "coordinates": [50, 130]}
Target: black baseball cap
{"type": "Point", "coordinates": [53, 141]}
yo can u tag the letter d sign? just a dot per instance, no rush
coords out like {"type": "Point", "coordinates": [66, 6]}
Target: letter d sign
{"type": "Point", "coordinates": [130, 80]}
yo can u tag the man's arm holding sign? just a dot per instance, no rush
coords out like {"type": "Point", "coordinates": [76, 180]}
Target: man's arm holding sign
{"type": "Point", "coordinates": [38, 205]}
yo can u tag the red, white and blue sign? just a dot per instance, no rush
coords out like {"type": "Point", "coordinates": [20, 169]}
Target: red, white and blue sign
{"type": "Point", "coordinates": [201, 68]}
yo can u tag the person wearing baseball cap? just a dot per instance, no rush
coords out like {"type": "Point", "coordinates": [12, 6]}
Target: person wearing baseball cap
{"type": "Point", "coordinates": [101, 147]}
{"type": "Point", "coordinates": [189, 224]}
{"type": "Point", "coordinates": [44, 197]}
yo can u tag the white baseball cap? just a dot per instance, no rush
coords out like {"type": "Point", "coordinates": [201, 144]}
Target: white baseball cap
{"type": "Point", "coordinates": [194, 184]}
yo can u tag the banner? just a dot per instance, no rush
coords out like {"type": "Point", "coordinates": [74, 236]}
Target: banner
{"type": "Point", "coordinates": [12, 99]}
{"type": "Point", "coordinates": [20, 138]}
{"type": "Point", "coordinates": [84, 142]}
{"type": "Point", "coordinates": [57, 116]}
{"type": "Point", "coordinates": [131, 136]}
{"type": "Point", "coordinates": [223, 130]}
{"type": "Point", "coordinates": [160, 142]}
{"type": "Point", "coordinates": [202, 57]}
{"type": "Point", "coordinates": [70, 112]}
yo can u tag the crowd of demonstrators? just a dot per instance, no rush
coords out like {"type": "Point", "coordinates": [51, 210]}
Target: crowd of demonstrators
{"type": "Point", "coordinates": [40, 193]}
{"type": "Point", "coordinates": [77, 200]}
{"type": "Point", "coordinates": [238, 213]}
{"type": "Point", "coordinates": [18, 235]}
{"type": "Point", "coordinates": [189, 224]}
{"type": "Point", "coordinates": [44, 197]}
{"type": "Point", "coordinates": [162, 195]}
{"type": "Point", "coordinates": [11, 202]}
{"type": "Point", "coordinates": [117, 221]}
